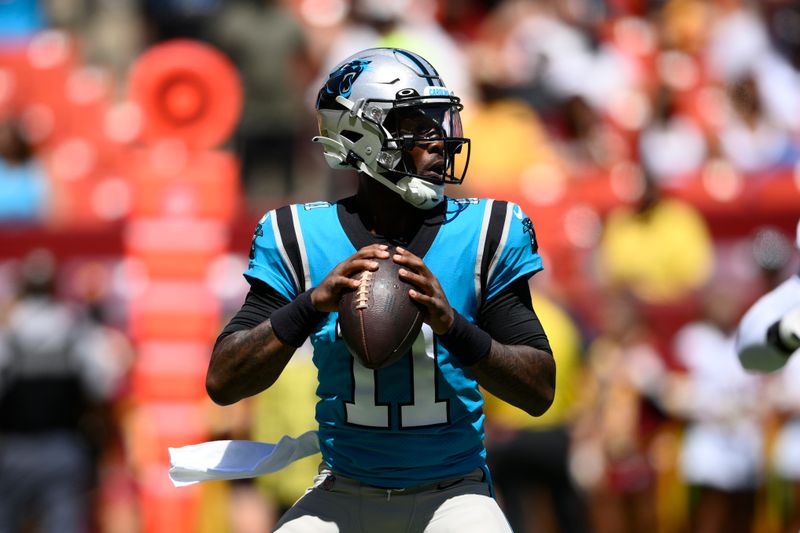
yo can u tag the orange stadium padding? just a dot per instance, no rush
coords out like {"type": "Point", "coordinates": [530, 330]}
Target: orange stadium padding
{"type": "Point", "coordinates": [164, 424]}
{"type": "Point", "coordinates": [174, 310]}
{"type": "Point", "coordinates": [183, 199]}
{"type": "Point", "coordinates": [175, 248]}
{"type": "Point", "coordinates": [190, 264]}
{"type": "Point", "coordinates": [166, 509]}
{"type": "Point", "coordinates": [187, 90]}
{"type": "Point", "coordinates": [205, 185]}
{"type": "Point", "coordinates": [171, 370]}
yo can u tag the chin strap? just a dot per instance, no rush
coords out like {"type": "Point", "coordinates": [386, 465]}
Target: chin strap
{"type": "Point", "coordinates": [418, 192]}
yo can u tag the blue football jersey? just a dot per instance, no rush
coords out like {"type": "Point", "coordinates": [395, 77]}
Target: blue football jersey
{"type": "Point", "coordinates": [420, 419]}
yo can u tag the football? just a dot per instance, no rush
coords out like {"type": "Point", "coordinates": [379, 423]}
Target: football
{"type": "Point", "coordinates": [378, 321]}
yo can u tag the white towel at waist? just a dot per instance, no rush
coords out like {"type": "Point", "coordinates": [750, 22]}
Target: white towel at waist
{"type": "Point", "coordinates": [236, 459]}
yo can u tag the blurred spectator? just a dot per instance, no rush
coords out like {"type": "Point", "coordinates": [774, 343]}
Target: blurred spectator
{"type": "Point", "coordinates": [547, 49]}
{"type": "Point", "coordinates": [23, 183]}
{"type": "Point", "coordinates": [784, 394]}
{"type": "Point", "coordinates": [749, 139]}
{"type": "Point", "coordinates": [740, 45]}
{"type": "Point", "coordinates": [672, 146]}
{"type": "Point", "coordinates": [783, 20]}
{"type": "Point", "coordinates": [55, 376]}
{"type": "Point", "coordinates": [588, 144]}
{"type": "Point", "coordinates": [267, 45]}
{"type": "Point", "coordinates": [502, 161]}
{"type": "Point", "coordinates": [111, 33]}
{"type": "Point", "coordinates": [618, 420]}
{"type": "Point", "coordinates": [737, 39]}
{"type": "Point", "coordinates": [722, 453]}
{"type": "Point", "coordinates": [660, 248]}
{"type": "Point", "coordinates": [172, 19]}
{"type": "Point", "coordinates": [684, 25]}
{"type": "Point", "coordinates": [529, 457]}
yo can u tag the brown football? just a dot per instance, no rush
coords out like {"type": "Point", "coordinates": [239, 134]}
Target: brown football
{"type": "Point", "coordinates": [378, 321]}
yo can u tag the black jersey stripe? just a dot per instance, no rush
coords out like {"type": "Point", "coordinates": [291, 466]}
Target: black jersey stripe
{"type": "Point", "coordinates": [494, 235]}
{"type": "Point", "coordinates": [286, 227]}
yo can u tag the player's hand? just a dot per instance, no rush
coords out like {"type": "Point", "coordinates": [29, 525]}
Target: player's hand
{"type": "Point", "coordinates": [436, 310]}
{"type": "Point", "coordinates": [327, 294]}
{"type": "Point", "coordinates": [789, 329]}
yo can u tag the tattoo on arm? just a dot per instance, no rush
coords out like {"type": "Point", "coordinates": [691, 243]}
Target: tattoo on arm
{"type": "Point", "coordinates": [245, 363]}
{"type": "Point", "coordinates": [520, 375]}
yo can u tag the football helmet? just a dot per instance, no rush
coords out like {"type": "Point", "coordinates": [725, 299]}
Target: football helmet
{"type": "Point", "coordinates": [387, 113]}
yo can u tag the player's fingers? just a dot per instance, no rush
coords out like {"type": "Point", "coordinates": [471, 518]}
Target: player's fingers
{"type": "Point", "coordinates": [421, 282]}
{"type": "Point", "coordinates": [406, 258]}
{"type": "Point", "coordinates": [358, 265]}
{"type": "Point", "coordinates": [424, 299]}
{"type": "Point", "coordinates": [373, 250]}
{"type": "Point", "coordinates": [343, 282]}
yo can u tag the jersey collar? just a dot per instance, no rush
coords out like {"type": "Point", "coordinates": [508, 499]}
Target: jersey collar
{"type": "Point", "coordinates": [359, 236]}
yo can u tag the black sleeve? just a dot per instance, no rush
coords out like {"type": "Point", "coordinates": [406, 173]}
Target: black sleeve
{"type": "Point", "coordinates": [510, 319]}
{"type": "Point", "coordinates": [261, 301]}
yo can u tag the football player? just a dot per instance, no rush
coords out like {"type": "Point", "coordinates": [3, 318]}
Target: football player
{"type": "Point", "coordinates": [402, 446]}
{"type": "Point", "coordinates": [769, 332]}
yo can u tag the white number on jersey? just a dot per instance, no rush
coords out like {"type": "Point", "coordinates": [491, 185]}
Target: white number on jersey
{"type": "Point", "coordinates": [424, 409]}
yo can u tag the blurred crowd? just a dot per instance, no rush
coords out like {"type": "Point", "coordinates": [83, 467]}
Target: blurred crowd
{"type": "Point", "coordinates": [654, 143]}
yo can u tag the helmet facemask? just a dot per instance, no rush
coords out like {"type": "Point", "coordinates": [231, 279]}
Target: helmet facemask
{"type": "Point", "coordinates": [426, 140]}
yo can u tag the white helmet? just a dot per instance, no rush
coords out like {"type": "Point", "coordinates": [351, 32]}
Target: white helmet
{"type": "Point", "coordinates": [359, 110]}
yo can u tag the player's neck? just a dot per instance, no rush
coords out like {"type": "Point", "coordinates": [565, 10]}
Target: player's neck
{"type": "Point", "coordinates": [385, 213]}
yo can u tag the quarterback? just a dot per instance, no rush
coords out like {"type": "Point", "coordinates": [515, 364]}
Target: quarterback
{"type": "Point", "coordinates": [402, 446]}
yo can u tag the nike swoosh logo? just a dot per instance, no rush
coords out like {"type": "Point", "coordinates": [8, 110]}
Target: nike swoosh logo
{"type": "Point", "coordinates": [518, 212]}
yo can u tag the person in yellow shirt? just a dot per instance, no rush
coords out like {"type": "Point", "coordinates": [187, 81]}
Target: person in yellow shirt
{"type": "Point", "coordinates": [660, 248]}
{"type": "Point", "coordinates": [526, 454]}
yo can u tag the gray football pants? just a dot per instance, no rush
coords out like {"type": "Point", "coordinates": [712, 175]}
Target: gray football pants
{"type": "Point", "coordinates": [336, 504]}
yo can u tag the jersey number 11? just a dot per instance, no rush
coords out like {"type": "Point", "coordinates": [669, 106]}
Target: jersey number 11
{"type": "Point", "coordinates": [423, 410]}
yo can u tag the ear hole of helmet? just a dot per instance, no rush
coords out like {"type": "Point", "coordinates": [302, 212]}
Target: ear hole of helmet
{"type": "Point", "coordinates": [352, 136]}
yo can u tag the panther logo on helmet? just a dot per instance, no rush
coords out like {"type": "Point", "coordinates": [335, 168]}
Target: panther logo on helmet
{"type": "Point", "coordinates": [340, 82]}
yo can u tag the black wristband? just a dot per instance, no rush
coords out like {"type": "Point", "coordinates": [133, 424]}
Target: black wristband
{"type": "Point", "coordinates": [467, 342]}
{"type": "Point", "coordinates": [774, 339]}
{"type": "Point", "coordinates": [295, 321]}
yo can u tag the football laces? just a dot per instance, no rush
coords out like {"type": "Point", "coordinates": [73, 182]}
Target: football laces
{"type": "Point", "coordinates": [362, 294]}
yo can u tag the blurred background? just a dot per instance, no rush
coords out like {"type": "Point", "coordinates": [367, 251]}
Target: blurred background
{"type": "Point", "coordinates": [654, 143]}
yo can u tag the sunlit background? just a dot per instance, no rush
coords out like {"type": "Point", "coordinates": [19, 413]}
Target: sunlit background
{"type": "Point", "coordinates": [655, 144]}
